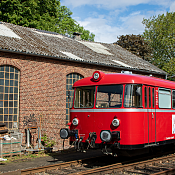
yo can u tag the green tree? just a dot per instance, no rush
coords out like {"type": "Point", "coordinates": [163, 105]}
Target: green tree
{"type": "Point", "coordinates": [42, 14]}
{"type": "Point", "coordinates": [136, 44]}
{"type": "Point", "coordinates": [160, 33]}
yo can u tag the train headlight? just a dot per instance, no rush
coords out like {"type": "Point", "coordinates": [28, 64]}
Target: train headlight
{"type": "Point", "coordinates": [115, 122]}
{"type": "Point", "coordinates": [75, 122]}
{"type": "Point", "coordinates": [64, 133]}
{"type": "Point", "coordinates": [105, 136]}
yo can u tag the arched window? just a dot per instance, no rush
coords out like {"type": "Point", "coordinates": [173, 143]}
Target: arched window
{"type": "Point", "coordinates": [9, 96]}
{"type": "Point", "coordinates": [70, 80]}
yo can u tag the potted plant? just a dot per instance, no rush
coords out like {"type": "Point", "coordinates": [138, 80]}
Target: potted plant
{"type": "Point", "coordinates": [47, 143]}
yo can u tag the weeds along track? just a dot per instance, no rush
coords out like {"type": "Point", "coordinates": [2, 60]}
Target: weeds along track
{"type": "Point", "coordinates": [96, 165]}
{"type": "Point", "coordinates": [161, 165]}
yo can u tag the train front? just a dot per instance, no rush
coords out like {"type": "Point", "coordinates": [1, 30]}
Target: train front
{"type": "Point", "coordinates": [90, 121]}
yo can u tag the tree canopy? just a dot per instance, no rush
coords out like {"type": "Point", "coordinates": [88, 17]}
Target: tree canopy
{"type": "Point", "coordinates": [136, 44]}
{"type": "Point", "coordinates": [160, 33]}
{"type": "Point", "coordinates": [46, 15]}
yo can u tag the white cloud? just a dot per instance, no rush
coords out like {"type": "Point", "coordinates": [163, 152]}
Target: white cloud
{"type": "Point", "coordinates": [118, 17]}
{"type": "Point", "coordinates": [172, 7]}
{"type": "Point", "coordinates": [106, 33]}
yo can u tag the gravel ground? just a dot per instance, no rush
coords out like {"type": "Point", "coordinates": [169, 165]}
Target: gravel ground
{"type": "Point", "coordinates": [49, 160]}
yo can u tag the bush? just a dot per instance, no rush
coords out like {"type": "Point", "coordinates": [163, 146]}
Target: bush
{"type": "Point", "coordinates": [46, 142]}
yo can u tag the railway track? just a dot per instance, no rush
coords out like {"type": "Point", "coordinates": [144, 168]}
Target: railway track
{"type": "Point", "coordinates": [156, 166]}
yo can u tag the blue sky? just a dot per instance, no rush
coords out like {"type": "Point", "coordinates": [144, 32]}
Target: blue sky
{"type": "Point", "coordinates": [108, 19]}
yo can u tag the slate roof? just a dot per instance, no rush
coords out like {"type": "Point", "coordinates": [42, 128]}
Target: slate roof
{"type": "Point", "coordinates": [20, 39]}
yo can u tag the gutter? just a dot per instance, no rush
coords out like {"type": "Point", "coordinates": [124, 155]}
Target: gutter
{"type": "Point", "coordinates": [84, 62]}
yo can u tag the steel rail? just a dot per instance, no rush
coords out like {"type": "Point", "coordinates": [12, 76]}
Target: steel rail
{"type": "Point", "coordinates": [50, 167]}
{"type": "Point", "coordinates": [114, 168]}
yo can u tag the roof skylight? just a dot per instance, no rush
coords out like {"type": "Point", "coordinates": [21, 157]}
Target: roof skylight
{"type": "Point", "coordinates": [72, 55]}
{"type": "Point", "coordinates": [97, 47]}
{"type": "Point", "coordinates": [121, 63]}
{"type": "Point", "coordinates": [5, 31]}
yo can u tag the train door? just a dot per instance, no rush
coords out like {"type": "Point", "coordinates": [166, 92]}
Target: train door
{"type": "Point", "coordinates": [151, 114]}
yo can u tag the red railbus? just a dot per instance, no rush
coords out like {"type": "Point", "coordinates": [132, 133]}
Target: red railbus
{"type": "Point", "coordinates": [121, 113]}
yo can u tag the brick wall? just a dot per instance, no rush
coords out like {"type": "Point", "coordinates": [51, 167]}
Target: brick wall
{"type": "Point", "coordinates": [43, 90]}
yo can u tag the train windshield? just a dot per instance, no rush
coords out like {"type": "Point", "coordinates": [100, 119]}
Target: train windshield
{"type": "Point", "coordinates": [84, 97]}
{"type": "Point", "coordinates": [133, 96]}
{"type": "Point", "coordinates": [109, 96]}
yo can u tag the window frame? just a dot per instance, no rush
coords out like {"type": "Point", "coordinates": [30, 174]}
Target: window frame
{"type": "Point", "coordinates": [141, 100]}
{"type": "Point", "coordinates": [109, 107]}
{"type": "Point", "coordinates": [9, 96]}
{"type": "Point", "coordinates": [170, 96]}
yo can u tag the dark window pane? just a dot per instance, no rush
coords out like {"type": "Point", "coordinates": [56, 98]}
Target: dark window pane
{"type": "Point", "coordinates": [1, 110]}
{"type": "Point", "coordinates": [15, 96]}
{"type": "Point", "coordinates": [15, 90]}
{"type": "Point", "coordinates": [1, 89]}
{"type": "Point", "coordinates": [7, 68]}
{"type": "Point", "coordinates": [11, 89]}
{"type": "Point", "coordinates": [15, 104]}
{"type": "Point", "coordinates": [10, 110]}
{"type": "Point", "coordinates": [1, 81]}
{"type": "Point", "coordinates": [10, 103]}
{"type": "Point", "coordinates": [7, 75]}
{"type": "Point", "coordinates": [6, 104]}
{"type": "Point", "coordinates": [11, 75]}
{"type": "Point", "coordinates": [5, 117]}
{"type": "Point", "coordinates": [16, 70]}
{"type": "Point", "coordinates": [149, 97]}
{"type": "Point", "coordinates": [10, 124]}
{"type": "Point", "coordinates": [5, 96]}
{"type": "Point", "coordinates": [11, 69]}
{"type": "Point", "coordinates": [145, 97]}
{"type": "Point", "coordinates": [2, 68]}
{"type": "Point", "coordinates": [1, 103]}
{"type": "Point", "coordinates": [1, 118]}
{"type": "Point", "coordinates": [6, 89]}
{"type": "Point", "coordinates": [11, 82]}
{"type": "Point", "coordinates": [5, 110]}
{"type": "Point", "coordinates": [70, 75]}
{"type": "Point", "coordinates": [16, 76]}
{"type": "Point", "coordinates": [10, 117]}
{"type": "Point", "coordinates": [15, 110]}
{"type": "Point", "coordinates": [10, 96]}
{"type": "Point", "coordinates": [1, 74]}
{"type": "Point", "coordinates": [16, 83]}
{"type": "Point", "coordinates": [1, 96]}
{"type": "Point", "coordinates": [15, 118]}
{"type": "Point", "coordinates": [6, 124]}
{"type": "Point", "coordinates": [7, 82]}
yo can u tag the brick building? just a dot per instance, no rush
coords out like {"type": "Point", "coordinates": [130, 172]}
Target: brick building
{"type": "Point", "coordinates": [38, 68]}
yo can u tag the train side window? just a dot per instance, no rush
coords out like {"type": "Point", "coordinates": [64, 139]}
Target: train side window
{"type": "Point", "coordinates": [153, 98]}
{"type": "Point", "coordinates": [133, 96]}
{"type": "Point", "coordinates": [164, 98]}
{"type": "Point", "coordinates": [173, 98]}
{"type": "Point", "coordinates": [149, 97]}
{"type": "Point", "coordinates": [145, 97]}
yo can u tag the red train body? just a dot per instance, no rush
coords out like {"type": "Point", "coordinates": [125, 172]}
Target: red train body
{"type": "Point", "coordinates": [122, 111]}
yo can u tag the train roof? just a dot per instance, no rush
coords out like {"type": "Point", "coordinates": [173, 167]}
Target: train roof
{"type": "Point", "coordinates": [123, 78]}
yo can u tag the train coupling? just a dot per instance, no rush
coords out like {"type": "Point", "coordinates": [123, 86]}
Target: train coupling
{"type": "Point", "coordinates": [91, 139]}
